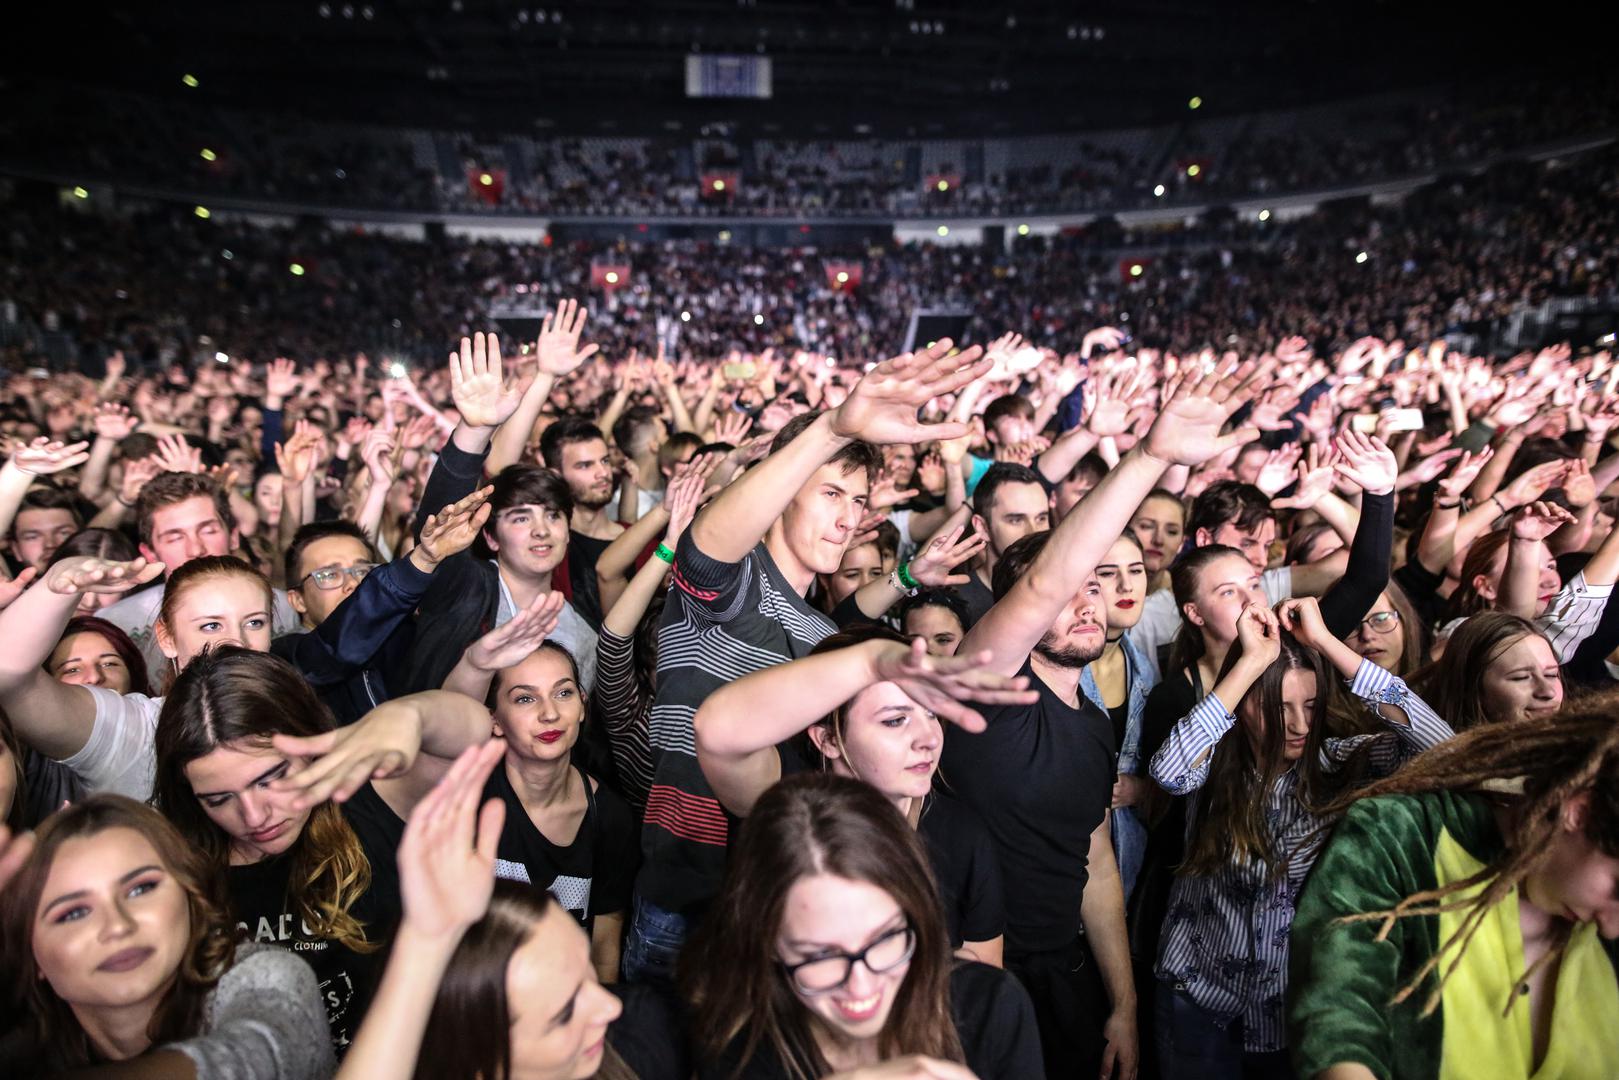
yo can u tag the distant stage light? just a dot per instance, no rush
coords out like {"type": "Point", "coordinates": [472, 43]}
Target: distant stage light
{"type": "Point", "coordinates": [1193, 169]}
{"type": "Point", "coordinates": [685, 316]}
{"type": "Point", "coordinates": [1158, 191]}
{"type": "Point", "coordinates": [843, 277]}
{"type": "Point", "coordinates": [944, 230]}
{"type": "Point", "coordinates": [1023, 230]}
{"type": "Point", "coordinates": [758, 320]}
{"type": "Point", "coordinates": [725, 236]}
{"type": "Point", "coordinates": [719, 185]}
{"type": "Point", "coordinates": [611, 277]}
{"type": "Point", "coordinates": [189, 80]}
{"type": "Point", "coordinates": [208, 155]}
{"type": "Point", "coordinates": [202, 212]}
{"type": "Point", "coordinates": [81, 193]}
{"type": "Point", "coordinates": [296, 269]}
{"type": "Point", "coordinates": [1264, 215]}
{"type": "Point", "coordinates": [944, 185]}
{"type": "Point", "coordinates": [1136, 269]}
{"type": "Point", "coordinates": [1195, 103]}
{"type": "Point", "coordinates": [1362, 257]}
{"type": "Point", "coordinates": [486, 180]}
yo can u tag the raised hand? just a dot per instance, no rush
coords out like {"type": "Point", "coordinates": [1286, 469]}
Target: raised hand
{"type": "Point", "coordinates": [1315, 477]}
{"type": "Point", "coordinates": [377, 451]}
{"type": "Point", "coordinates": [43, 456]}
{"type": "Point", "coordinates": [116, 365]}
{"type": "Point", "coordinates": [296, 457]}
{"type": "Point", "coordinates": [453, 529]}
{"type": "Point", "coordinates": [1367, 462]}
{"type": "Point", "coordinates": [682, 499]}
{"type": "Point", "coordinates": [1106, 338]}
{"type": "Point", "coordinates": [135, 477]}
{"type": "Point", "coordinates": [1534, 482]}
{"type": "Point", "coordinates": [558, 348]}
{"type": "Point", "coordinates": [1258, 633]}
{"type": "Point", "coordinates": [478, 383]}
{"type": "Point", "coordinates": [447, 852]}
{"type": "Point", "coordinates": [1108, 412]}
{"type": "Point", "coordinates": [114, 421]}
{"type": "Point", "coordinates": [382, 744]}
{"type": "Point", "coordinates": [1301, 617]}
{"type": "Point", "coordinates": [1277, 470]}
{"type": "Point", "coordinates": [174, 454]}
{"type": "Point", "coordinates": [946, 551]}
{"type": "Point", "coordinates": [1431, 466]}
{"type": "Point", "coordinates": [941, 684]}
{"type": "Point", "coordinates": [512, 643]}
{"type": "Point", "coordinates": [882, 407]}
{"type": "Point", "coordinates": [732, 427]}
{"type": "Point", "coordinates": [1196, 407]}
{"type": "Point", "coordinates": [280, 378]}
{"type": "Point", "coordinates": [88, 574]}
{"type": "Point", "coordinates": [355, 431]}
{"type": "Point", "coordinates": [1539, 520]}
{"type": "Point", "coordinates": [885, 493]}
{"type": "Point", "coordinates": [1579, 486]}
{"type": "Point", "coordinates": [1465, 472]}
{"type": "Point", "coordinates": [10, 590]}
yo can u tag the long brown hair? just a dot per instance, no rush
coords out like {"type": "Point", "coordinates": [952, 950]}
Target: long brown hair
{"type": "Point", "coordinates": [814, 823]}
{"type": "Point", "coordinates": [232, 694]}
{"type": "Point", "coordinates": [1451, 685]}
{"type": "Point", "coordinates": [1481, 558]}
{"type": "Point", "coordinates": [210, 941]}
{"type": "Point", "coordinates": [1555, 758]}
{"type": "Point", "coordinates": [1229, 823]}
{"type": "Point", "coordinates": [1183, 582]}
{"type": "Point", "coordinates": [469, 1033]}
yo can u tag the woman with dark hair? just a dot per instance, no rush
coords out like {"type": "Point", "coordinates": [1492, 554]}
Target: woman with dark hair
{"type": "Point", "coordinates": [1496, 667]}
{"type": "Point", "coordinates": [118, 944]}
{"type": "Point", "coordinates": [1392, 635]}
{"type": "Point", "coordinates": [310, 874]}
{"type": "Point", "coordinates": [1255, 758]}
{"type": "Point", "coordinates": [937, 616]}
{"type": "Point", "coordinates": [487, 978]}
{"type": "Point", "coordinates": [826, 952]}
{"type": "Point", "coordinates": [94, 652]}
{"type": "Point", "coordinates": [1461, 920]}
{"type": "Point", "coordinates": [1160, 525]}
{"type": "Point", "coordinates": [868, 705]}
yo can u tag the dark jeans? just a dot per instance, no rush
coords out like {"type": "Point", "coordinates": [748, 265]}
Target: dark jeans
{"type": "Point", "coordinates": [1070, 1005]}
{"type": "Point", "coordinates": [653, 944]}
{"type": "Point", "coordinates": [1190, 1043]}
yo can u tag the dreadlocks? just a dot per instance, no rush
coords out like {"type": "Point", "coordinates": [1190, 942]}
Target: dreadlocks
{"type": "Point", "coordinates": [1554, 759]}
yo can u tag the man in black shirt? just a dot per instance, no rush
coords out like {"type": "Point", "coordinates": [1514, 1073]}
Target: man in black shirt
{"type": "Point", "coordinates": [1009, 503]}
{"type": "Point", "coordinates": [1041, 776]}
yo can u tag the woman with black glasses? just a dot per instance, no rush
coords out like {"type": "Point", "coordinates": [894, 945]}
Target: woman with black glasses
{"type": "Point", "coordinates": [826, 953]}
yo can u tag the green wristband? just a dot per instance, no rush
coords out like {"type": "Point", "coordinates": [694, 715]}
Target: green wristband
{"type": "Point", "coordinates": [665, 553]}
{"type": "Point", "coordinates": [905, 577]}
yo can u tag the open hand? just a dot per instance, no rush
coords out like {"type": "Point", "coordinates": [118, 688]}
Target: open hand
{"type": "Point", "coordinates": [882, 407]}
{"type": "Point", "coordinates": [43, 456]}
{"type": "Point", "coordinates": [1539, 520]}
{"type": "Point", "coordinates": [114, 421]}
{"type": "Point", "coordinates": [453, 529]}
{"type": "Point", "coordinates": [447, 852]}
{"type": "Point", "coordinates": [558, 348]}
{"type": "Point", "coordinates": [941, 684]}
{"type": "Point", "coordinates": [88, 574]}
{"type": "Point", "coordinates": [511, 644]}
{"type": "Point", "coordinates": [478, 383]}
{"type": "Point", "coordinates": [1367, 462]}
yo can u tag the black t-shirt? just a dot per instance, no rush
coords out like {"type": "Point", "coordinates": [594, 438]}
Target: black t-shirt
{"type": "Point", "coordinates": [584, 552]}
{"type": "Point", "coordinates": [266, 915]}
{"type": "Point", "coordinates": [978, 597]}
{"type": "Point", "coordinates": [650, 1035]}
{"type": "Point", "coordinates": [1040, 778]}
{"type": "Point", "coordinates": [591, 876]}
{"type": "Point", "coordinates": [963, 859]}
{"type": "Point", "coordinates": [994, 1018]}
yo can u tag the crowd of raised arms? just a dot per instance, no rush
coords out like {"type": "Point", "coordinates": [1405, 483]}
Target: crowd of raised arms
{"type": "Point", "coordinates": [991, 711]}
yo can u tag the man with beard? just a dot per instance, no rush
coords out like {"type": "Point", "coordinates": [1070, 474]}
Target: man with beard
{"type": "Point", "coordinates": [575, 449]}
{"type": "Point", "coordinates": [1041, 775]}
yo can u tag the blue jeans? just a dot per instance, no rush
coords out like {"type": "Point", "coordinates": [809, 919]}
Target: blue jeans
{"type": "Point", "coordinates": [653, 944]}
{"type": "Point", "coordinates": [1191, 1043]}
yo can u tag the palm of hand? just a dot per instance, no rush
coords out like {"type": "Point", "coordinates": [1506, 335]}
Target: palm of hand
{"type": "Point", "coordinates": [1186, 431]}
{"type": "Point", "coordinates": [484, 401]}
{"type": "Point", "coordinates": [1109, 418]}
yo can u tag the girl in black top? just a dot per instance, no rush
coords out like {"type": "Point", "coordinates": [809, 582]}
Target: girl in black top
{"type": "Point", "coordinates": [311, 875]}
{"type": "Point", "coordinates": [491, 978]}
{"type": "Point", "coordinates": [826, 953]}
{"type": "Point", "coordinates": [872, 705]}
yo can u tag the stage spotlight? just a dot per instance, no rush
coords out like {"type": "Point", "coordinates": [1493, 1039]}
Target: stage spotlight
{"type": "Point", "coordinates": [208, 155]}
{"type": "Point", "coordinates": [1362, 257]}
{"type": "Point", "coordinates": [944, 185]}
{"type": "Point", "coordinates": [81, 193]}
{"type": "Point", "coordinates": [1264, 215]}
{"type": "Point", "coordinates": [189, 80]}
{"type": "Point", "coordinates": [202, 212]}
{"type": "Point", "coordinates": [296, 269]}
{"type": "Point", "coordinates": [1136, 269]}
{"type": "Point", "coordinates": [758, 320]}
{"type": "Point", "coordinates": [1158, 191]}
{"type": "Point", "coordinates": [1193, 169]}
{"type": "Point", "coordinates": [1195, 103]}
{"type": "Point", "coordinates": [486, 179]}
{"type": "Point", "coordinates": [685, 316]}
{"type": "Point", "coordinates": [843, 277]}
{"type": "Point", "coordinates": [944, 230]}
{"type": "Point", "coordinates": [1023, 230]}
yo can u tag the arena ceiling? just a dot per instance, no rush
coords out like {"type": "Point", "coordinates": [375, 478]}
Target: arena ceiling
{"type": "Point", "coordinates": [840, 67]}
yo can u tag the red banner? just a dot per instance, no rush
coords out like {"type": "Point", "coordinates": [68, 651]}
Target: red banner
{"type": "Point", "coordinates": [940, 183]}
{"type": "Point", "coordinates": [1134, 269]}
{"type": "Point", "coordinates": [720, 185]}
{"type": "Point", "coordinates": [609, 274]}
{"type": "Point", "coordinates": [843, 276]}
{"type": "Point", "coordinates": [486, 185]}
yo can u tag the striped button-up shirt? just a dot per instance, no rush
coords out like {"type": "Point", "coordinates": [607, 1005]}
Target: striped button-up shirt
{"type": "Point", "coordinates": [1225, 937]}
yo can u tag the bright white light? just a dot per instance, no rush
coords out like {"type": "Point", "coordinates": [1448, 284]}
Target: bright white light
{"type": "Point", "coordinates": [612, 277]}
{"type": "Point", "coordinates": [1362, 257]}
{"type": "Point", "coordinates": [1264, 215]}
{"type": "Point", "coordinates": [396, 369]}
{"type": "Point", "coordinates": [944, 230]}
{"type": "Point", "coordinates": [1023, 230]}
{"type": "Point", "coordinates": [1159, 191]}
{"type": "Point", "coordinates": [202, 212]}
{"type": "Point", "coordinates": [758, 320]}
{"type": "Point", "coordinates": [296, 269]}
{"type": "Point", "coordinates": [843, 277]}
{"type": "Point", "coordinates": [685, 316]}
{"type": "Point", "coordinates": [221, 358]}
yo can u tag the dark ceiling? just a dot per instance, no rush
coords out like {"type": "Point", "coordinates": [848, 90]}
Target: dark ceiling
{"type": "Point", "coordinates": [910, 67]}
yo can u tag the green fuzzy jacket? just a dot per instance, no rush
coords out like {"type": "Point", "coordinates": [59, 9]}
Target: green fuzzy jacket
{"type": "Point", "coordinates": [1341, 978]}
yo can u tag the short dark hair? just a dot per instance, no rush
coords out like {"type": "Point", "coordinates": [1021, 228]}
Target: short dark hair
{"type": "Point", "coordinates": [1090, 465]}
{"type": "Point", "coordinates": [566, 432]}
{"type": "Point", "coordinates": [172, 488]}
{"type": "Point", "coordinates": [997, 476]}
{"type": "Point", "coordinates": [524, 485]}
{"type": "Point", "coordinates": [854, 455]}
{"type": "Point", "coordinates": [1228, 502]}
{"type": "Point", "coordinates": [888, 538]}
{"type": "Point", "coordinates": [320, 530]}
{"type": "Point", "coordinates": [1016, 559]}
{"type": "Point", "coordinates": [944, 597]}
{"type": "Point", "coordinates": [100, 543]}
{"type": "Point", "coordinates": [1014, 405]}
{"type": "Point", "coordinates": [48, 497]}
{"type": "Point", "coordinates": [669, 454]}
{"type": "Point", "coordinates": [627, 429]}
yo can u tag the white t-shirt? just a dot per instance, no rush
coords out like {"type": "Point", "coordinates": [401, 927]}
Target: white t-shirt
{"type": "Point", "coordinates": [120, 755]}
{"type": "Point", "coordinates": [572, 633]}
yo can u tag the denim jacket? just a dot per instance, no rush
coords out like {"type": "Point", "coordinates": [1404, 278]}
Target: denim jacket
{"type": "Point", "coordinates": [1129, 832]}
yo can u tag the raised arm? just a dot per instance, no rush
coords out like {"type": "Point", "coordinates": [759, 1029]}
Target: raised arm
{"type": "Point", "coordinates": [882, 408]}
{"type": "Point", "coordinates": [939, 555]}
{"type": "Point", "coordinates": [504, 646]}
{"type": "Point", "coordinates": [112, 422]}
{"type": "Point", "coordinates": [1526, 554]}
{"type": "Point", "coordinates": [558, 353]}
{"type": "Point", "coordinates": [54, 718]}
{"type": "Point", "coordinates": [446, 878]}
{"type": "Point", "coordinates": [1186, 432]}
{"type": "Point", "coordinates": [739, 725]}
{"type": "Point", "coordinates": [41, 457]}
{"type": "Point", "coordinates": [1182, 763]}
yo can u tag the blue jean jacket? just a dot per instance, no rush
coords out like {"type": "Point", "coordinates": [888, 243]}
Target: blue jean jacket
{"type": "Point", "coordinates": [1129, 833]}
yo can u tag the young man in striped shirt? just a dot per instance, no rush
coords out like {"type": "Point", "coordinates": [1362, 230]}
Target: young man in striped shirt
{"type": "Point", "coordinates": [737, 605]}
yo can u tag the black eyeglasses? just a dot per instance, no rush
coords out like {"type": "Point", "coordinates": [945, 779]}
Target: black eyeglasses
{"type": "Point", "coordinates": [330, 577]}
{"type": "Point", "coordinates": [826, 973]}
{"type": "Point", "coordinates": [1381, 621]}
